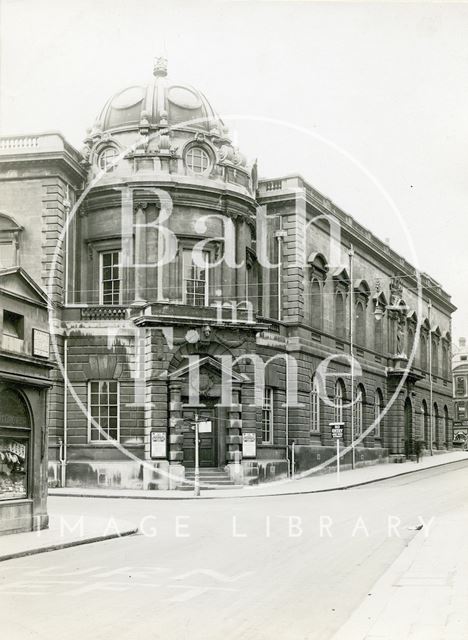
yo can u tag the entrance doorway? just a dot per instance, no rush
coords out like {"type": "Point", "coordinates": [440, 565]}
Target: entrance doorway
{"type": "Point", "coordinates": [208, 440]}
{"type": "Point", "coordinates": [409, 440]}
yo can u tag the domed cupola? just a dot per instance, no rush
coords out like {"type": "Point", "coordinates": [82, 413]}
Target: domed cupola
{"type": "Point", "coordinates": [161, 103]}
{"type": "Point", "coordinates": [165, 130]}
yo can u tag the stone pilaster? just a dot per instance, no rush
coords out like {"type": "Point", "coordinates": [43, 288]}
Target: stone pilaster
{"type": "Point", "coordinates": [176, 437]}
{"type": "Point", "coordinates": [234, 434]}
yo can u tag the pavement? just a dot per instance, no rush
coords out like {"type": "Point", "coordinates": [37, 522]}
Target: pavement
{"type": "Point", "coordinates": [309, 482]}
{"type": "Point", "coordinates": [292, 566]}
{"type": "Point", "coordinates": [423, 595]}
{"type": "Point", "coordinates": [64, 531]}
{"type": "Point", "coordinates": [74, 523]}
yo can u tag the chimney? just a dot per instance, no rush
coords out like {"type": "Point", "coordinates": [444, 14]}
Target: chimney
{"type": "Point", "coordinates": [462, 343]}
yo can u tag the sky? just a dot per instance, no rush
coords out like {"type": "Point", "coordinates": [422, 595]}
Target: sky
{"type": "Point", "coordinates": [367, 101]}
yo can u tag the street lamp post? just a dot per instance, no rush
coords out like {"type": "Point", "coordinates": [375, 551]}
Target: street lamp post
{"type": "Point", "coordinates": [196, 480]}
{"type": "Point", "coordinates": [351, 347]}
{"type": "Point", "coordinates": [429, 317]}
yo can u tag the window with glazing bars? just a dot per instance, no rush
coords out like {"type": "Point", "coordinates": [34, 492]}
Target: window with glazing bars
{"type": "Point", "coordinates": [110, 278]}
{"type": "Point", "coordinates": [195, 286]}
{"type": "Point", "coordinates": [267, 416]}
{"type": "Point", "coordinates": [103, 403]}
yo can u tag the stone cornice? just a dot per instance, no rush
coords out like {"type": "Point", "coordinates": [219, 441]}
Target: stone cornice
{"type": "Point", "coordinates": [287, 189]}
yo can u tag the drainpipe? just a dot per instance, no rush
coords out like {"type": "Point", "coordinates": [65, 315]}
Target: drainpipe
{"type": "Point", "coordinates": [280, 235]}
{"type": "Point", "coordinates": [287, 413]}
{"type": "Point", "coordinates": [63, 461]}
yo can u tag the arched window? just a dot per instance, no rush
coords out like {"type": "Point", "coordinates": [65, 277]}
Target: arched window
{"type": "Point", "coordinates": [423, 352]}
{"type": "Point", "coordinates": [316, 304]}
{"type": "Point", "coordinates": [410, 340]}
{"type": "Point", "coordinates": [340, 314]}
{"type": "Point", "coordinates": [318, 269]}
{"type": "Point", "coordinates": [436, 434]}
{"type": "Point", "coordinates": [107, 158]}
{"type": "Point", "coordinates": [360, 401]}
{"type": "Point", "coordinates": [314, 407]}
{"type": "Point", "coordinates": [197, 160]}
{"type": "Point", "coordinates": [360, 324]}
{"type": "Point", "coordinates": [378, 334]}
{"type": "Point", "coordinates": [15, 432]}
{"type": "Point", "coordinates": [445, 362]}
{"type": "Point", "coordinates": [338, 400]}
{"type": "Point", "coordinates": [435, 357]}
{"type": "Point", "coordinates": [378, 410]}
{"type": "Point", "coordinates": [425, 424]}
{"type": "Point", "coordinates": [10, 234]}
{"type": "Point", "coordinates": [448, 435]}
{"type": "Point", "coordinates": [392, 331]}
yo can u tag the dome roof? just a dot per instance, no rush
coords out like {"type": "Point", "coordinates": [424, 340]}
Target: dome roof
{"type": "Point", "coordinates": [159, 103]}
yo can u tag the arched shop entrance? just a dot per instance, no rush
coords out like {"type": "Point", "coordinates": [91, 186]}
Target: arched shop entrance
{"type": "Point", "coordinates": [15, 442]}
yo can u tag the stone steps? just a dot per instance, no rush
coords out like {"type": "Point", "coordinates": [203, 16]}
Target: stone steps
{"type": "Point", "coordinates": [213, 477]}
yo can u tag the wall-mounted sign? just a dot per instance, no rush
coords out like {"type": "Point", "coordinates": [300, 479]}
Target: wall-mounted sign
{"type": "Point", "coordinates": [249, 445]}
{"type": "Point", "coordinates": [158, 444]}
{"type": "Point", "coordinates": [41, 343]}
{"type": "Point", "coordinates": [204, 426]}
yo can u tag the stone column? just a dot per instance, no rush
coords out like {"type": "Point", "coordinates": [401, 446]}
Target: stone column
{"type": "Point", "coordinates": [176, 437]}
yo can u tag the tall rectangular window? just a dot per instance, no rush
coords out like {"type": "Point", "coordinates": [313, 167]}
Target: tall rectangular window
{"type": "Point", "coordinates": [195, 276]}
{"type": "Point", "coordinates": [110, 278]}
{"type": "Point", "coordinates": [103, 407]}
{"type": "Point", "coordinates": [267, 416]}
{"type": "Point", "coordinates": [314, 407]}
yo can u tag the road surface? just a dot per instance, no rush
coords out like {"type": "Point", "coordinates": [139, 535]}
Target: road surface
{"type": "Point", "coordinates": [290, 567]}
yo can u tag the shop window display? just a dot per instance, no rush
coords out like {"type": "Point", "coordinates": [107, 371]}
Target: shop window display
{"type": "Point", "coordinates": [13, 468]}
{"type": "Point", "coordinates": [14, 444]}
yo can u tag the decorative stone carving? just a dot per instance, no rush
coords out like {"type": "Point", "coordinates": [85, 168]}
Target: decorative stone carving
{"type": "Point", "coordinates": [396, 290]}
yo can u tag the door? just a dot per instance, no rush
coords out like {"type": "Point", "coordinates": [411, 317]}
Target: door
{"type": "Point", "coordinates": [409, 442]}
{"type": "Point", "coordinates": [207, 439]}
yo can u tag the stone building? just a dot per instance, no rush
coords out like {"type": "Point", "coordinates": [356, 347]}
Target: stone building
{"type": "Point", "coordinates": [24, 384]}
{"type": "Point", "coordinates": [176, 273]}
{"type": "Point", "coordinates": [460, 393]}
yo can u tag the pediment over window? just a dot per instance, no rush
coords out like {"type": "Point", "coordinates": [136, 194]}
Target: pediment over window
{"type": "Point", "coordinates": [8, 224]}
{"type": "Point", "coordinates": [436, 332]}
{"type": "Point", "coordinates": [425, 325]}
{"type": "Point", "coordinates": [18, 283]}
{"type": "Point", "coordinates": [412, 317]}
{"type": "Point", "coordinates": [207, 362]}
{"type": "Point", "coordinates": [447, 336]}
{"type": "Point", "coordinates": [362, 289]}
{"type": "Point", "coordinates": [340, 277]}
{"type": "Point", "coordinates": [380, 300]}
{"type": "Point", "coordinates": [318, 265]}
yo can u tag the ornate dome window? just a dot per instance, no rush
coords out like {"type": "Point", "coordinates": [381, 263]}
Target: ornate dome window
{"type": "Point", "coordinates": [197, 160]}
{"type": "Point", "coordinates": [107, 158]}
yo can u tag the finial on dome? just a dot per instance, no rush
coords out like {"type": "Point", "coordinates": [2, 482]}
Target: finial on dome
{"type": "Point", "coordinates": [160, 67]}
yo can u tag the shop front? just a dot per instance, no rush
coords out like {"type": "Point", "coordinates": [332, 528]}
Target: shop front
{"type": "Point", "coordinates": [24, 383]}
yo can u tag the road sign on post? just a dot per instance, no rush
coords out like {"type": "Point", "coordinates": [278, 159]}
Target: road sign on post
{"type": "Point", "coordinates": [337, 432]}
{"type": "Point", "coordinates": [337, 429]}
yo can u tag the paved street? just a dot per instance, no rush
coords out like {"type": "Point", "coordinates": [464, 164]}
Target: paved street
{"type": "Point", "coordinates": [272, 567]}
